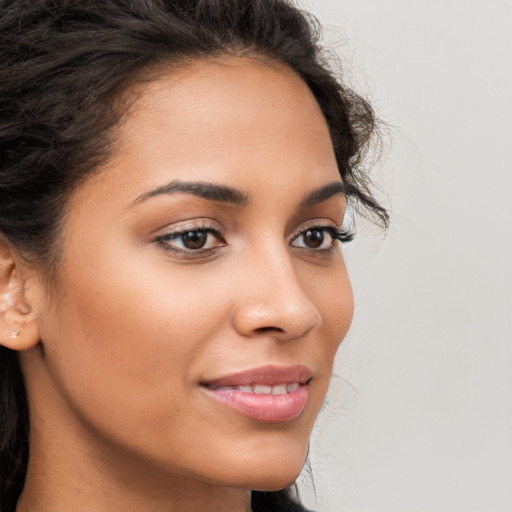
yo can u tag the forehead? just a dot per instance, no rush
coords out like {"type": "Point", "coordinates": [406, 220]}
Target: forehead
{"type": "Point", "coordinates": [238, 121]}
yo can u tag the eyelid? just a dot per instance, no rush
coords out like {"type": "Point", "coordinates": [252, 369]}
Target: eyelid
{"type": "Point", "coordinates": [203, 225]}
{"type": "Point", "coordinates": [320, 223]}
{"type": "Point", "coordinates": [188, 225]}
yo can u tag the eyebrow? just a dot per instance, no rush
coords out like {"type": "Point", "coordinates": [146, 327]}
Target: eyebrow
{"type": "Point", "coordinates": [319, 195]}
{"type": "Point", "coordinates": [210, 191]}
{"type": "Point", "coordinates": [226, 194]}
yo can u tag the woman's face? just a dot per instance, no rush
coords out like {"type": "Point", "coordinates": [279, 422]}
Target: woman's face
{"type": "Point", "coordinates": [200, 296]}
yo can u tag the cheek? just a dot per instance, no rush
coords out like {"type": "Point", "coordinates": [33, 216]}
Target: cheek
{"type": "Point", "coordinates": [332, 295]}
{"type": "Point", "coordinates": [331, 292]}
{"type": "Point", "coordinates": [123, 340]}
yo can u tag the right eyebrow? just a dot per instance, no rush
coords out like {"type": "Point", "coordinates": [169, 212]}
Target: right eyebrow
{"type": "Point", "coordinates": [209, 191]}
{"type": "Point", "coordinates": [319, 195]}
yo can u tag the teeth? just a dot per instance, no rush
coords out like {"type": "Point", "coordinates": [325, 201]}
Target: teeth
{"type": "Point", "coordinates": [280, 389]}
{"type": "Point", "coordinates": [262, 389]}
{"type": "Point", "coordinates": [292, 387]}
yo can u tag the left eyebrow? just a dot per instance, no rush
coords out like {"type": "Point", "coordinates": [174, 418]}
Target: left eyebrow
{"type": "Point", "coordinates": [319, 195]}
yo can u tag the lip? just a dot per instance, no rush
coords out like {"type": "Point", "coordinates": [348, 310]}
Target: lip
{"type": "Point", "coordinates": [269, 408]}
{"type": "Point", "coordinates": [268, 375]}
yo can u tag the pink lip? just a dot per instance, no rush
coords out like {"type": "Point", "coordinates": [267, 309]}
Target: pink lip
{"type": "Point", "coordinates": [268, 375]}
{"type": "Point", "coordinates": [264, 407]}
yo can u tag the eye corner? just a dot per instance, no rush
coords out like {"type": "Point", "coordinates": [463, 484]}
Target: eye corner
{"type": "Point", "coordinates": [344, 236]}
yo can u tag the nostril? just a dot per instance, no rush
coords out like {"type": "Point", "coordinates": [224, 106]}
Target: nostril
{"type": "Point", "coordinates": [264, 330]}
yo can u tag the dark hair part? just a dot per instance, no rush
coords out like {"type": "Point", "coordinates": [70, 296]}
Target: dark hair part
{"type": "Point", "coordinates": [64, 63]}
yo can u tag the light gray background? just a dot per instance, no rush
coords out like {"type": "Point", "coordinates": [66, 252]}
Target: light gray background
{"type": "Point", "coordinates": [420, 419]}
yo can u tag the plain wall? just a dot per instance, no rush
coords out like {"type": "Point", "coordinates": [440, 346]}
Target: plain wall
{"type": "Point", "coordinates": [420, 415]}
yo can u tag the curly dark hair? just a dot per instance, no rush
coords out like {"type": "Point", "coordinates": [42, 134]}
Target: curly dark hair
{"type": "Point", "coordinates": [65, 63]}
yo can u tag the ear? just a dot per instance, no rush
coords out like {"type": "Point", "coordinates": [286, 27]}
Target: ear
{"type": "Point", "coordinates": [18, 325]}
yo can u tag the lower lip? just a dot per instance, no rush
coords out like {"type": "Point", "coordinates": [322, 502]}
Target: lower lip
{"type": "Point", "coordinates": [267, 408]}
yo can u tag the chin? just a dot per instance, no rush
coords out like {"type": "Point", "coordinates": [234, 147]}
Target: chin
{"type": "Point", "coordinates": [275, 482]}
{"type": "Point", "coordinates": [269, 461]}
{"type": "Point", "coordinates": [269, 473]}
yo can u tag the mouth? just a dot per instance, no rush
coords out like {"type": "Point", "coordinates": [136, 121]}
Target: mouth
{"type": "Point", "coordinates": [269, 394]}
{"type": "Point", "coordinates": [262, 389]}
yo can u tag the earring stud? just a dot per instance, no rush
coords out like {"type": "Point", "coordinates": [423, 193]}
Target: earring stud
{"type": "Point", "coordinates": [15, 334]}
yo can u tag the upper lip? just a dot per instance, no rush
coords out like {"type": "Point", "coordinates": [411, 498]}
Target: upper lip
{"type": "Point", "coordinates": [266, 375]}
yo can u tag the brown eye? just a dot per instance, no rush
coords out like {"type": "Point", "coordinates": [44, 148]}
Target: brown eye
{"type": "Point", "coordinates": [313, 238]}
{"type": "Point", "coordinates": [319, 238]}
{"type": "Point", "coordinates": [194, 239]}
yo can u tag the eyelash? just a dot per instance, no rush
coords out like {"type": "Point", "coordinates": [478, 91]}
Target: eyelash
{"type": "Point", "coordinates": [181, 231]}
{"type": "Point", "coordinates": [343, 236]}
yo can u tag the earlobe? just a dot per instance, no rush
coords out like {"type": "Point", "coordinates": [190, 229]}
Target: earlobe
{"type": "Point", "coordinates": [18, 325]}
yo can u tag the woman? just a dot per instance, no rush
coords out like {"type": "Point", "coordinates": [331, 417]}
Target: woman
{"type": "Point", "coordinates": [174, 176]}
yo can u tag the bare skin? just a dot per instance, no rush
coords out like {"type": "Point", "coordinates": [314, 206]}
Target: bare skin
{"type": "Point", "coordinates": [117, 352]}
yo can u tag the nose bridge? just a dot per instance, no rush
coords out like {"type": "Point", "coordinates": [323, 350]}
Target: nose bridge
{"type": "Point", "coordinates": [271, 295]}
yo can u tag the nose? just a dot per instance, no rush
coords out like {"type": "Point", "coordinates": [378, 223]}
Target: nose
{"type": "Point", "coordinates": [272, 301]}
